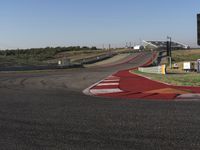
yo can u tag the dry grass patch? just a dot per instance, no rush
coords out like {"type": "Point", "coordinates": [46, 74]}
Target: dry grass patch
{"type": "Point", "coordinates": [180, 79]}
{"type": "Point", "coordinates": [186, 55]}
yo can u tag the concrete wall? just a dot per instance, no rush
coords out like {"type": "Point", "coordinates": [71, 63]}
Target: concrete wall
{"type": "Point", "coordinates": [157, 69]}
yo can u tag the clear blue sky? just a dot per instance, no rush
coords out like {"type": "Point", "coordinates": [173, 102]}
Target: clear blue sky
{"type": "Point", "coordinates": [41, 23]}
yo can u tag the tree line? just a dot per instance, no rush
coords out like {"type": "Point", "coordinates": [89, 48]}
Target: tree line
{"type": "Point", "coordinates": [42, 53]}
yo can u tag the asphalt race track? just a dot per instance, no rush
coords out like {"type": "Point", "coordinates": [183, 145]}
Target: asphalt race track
{"type": "Point", "coordinates": [47, 110]}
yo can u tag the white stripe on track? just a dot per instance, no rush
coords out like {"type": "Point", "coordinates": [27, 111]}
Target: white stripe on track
{"type": "Point", "coordinates": [90, 91]}
{"type": "Point", "coordinates": [105, 84]}
{"type": "Point", "coordinates": [111, 80]}
{"type": "Point", "coordinates": [105, 91]}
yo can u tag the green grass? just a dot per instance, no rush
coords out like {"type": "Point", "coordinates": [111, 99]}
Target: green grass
{"type": "Point", "coordinates": [18, 61]}
{"type": "Point", "coordinates": [47, 56]}
{"type": "Point", "coordinates": [186, 55]}
{"type": "Point", "coordinates": [178, 77]}
{"type": "Point", "coordinates": [181, 79]}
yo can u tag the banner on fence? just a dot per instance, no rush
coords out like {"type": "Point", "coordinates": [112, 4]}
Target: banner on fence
{"type": "Point", "coordinates": [157, 69]}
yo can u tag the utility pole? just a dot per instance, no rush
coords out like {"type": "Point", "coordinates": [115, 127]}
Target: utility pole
{"type": "Point", "coordinates": [169, 50]}
{"type": "Point", "coordinates": [198, 40]}
{"type": "Point", "coordinates": [198, 29]}
{"type": "Point", "coordinates": [109, 46]}
{"type": "Point", "coordinates": [109, 49]}
{"type": "Point", "coordinates": [126, 45]}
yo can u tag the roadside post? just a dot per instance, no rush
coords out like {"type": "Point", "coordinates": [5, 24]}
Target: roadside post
{"type": "Point", "coordinates": [170, 61]}
{"type": "Point", "coordinates": [198, 40]}
{"type": "Point", "coordinates": [198, 29]}
{"type": "Point", "coordinates": [198, 66]}
{"type": "Point", "coordinates": [64, 62]}
{"type": "Point", "coordinates": [186, 66]}
{"type": "Point", "coordinates": [169, 50]}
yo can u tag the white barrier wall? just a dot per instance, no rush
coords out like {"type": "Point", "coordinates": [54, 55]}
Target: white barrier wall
{"type": "Point", "coordinates": [156, 69]}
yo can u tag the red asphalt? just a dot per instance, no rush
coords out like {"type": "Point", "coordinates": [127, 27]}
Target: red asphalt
{"type": "Point", "coordinates": [133, 86]}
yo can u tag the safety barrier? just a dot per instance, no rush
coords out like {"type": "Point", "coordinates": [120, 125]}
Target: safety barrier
{"type": "Point", "coordinates": [94, 59]}
{"type": "Point", "coordinates": [157, 69]}
{"type": "Point", "coordinates": [29, 68]}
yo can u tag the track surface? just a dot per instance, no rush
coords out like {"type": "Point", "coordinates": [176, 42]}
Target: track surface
{"type": "Point", "coordinates": [47, 110]}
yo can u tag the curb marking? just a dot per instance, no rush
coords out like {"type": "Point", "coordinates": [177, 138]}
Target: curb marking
{"type": "Point", "coordinates": [105, 91]}
{"type": "Point", "coordinates": [105, 84]}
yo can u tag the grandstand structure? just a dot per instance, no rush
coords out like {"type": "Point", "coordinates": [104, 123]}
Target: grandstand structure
{"type": "Point", "coordinates": [162, 45]}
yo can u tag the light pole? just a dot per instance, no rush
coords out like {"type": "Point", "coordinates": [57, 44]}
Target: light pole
{"type": "Point", "coordinates": [169, 48]}
{"type": "Point", "coordinates": [198, 29]}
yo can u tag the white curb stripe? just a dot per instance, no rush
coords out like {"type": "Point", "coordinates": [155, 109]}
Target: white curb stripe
{"type": "Point", "coordinates": [105, 91]}
{"type": "Point", "coordinates": [116, 80]}
{"type": "Point", "coordinates": [105, 84]}
{"type": "Point", "coordinates": [190, 96]}
{"type": "Point", "coordinates": [90, 91]}
{"type": "Point", "coordinates": [112, 78]}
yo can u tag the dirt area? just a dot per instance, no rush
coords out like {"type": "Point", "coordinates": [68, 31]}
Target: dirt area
{"type": "Point", "coordinates": [182, 55]}
{"type": "Point", "coordinates": [110, 60]}
{"type": "Point", "coordinates": [84, 54]}
{"type": "Point", "coordinates": [175, 78]}
{"type": "Point", "coordinates": [77, 55]}
{"type": "Point", "coordinates": [185, 55]}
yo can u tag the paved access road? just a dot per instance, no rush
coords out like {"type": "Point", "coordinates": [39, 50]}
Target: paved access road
{"type": "Point", "coordinates": [47, 110]}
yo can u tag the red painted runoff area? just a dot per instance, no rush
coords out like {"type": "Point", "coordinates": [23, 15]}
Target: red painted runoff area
{"type": "Point", "coordinates": [124, 84]}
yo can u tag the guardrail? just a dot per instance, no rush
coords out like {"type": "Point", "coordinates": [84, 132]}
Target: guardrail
{"type": "Point", "coordinates": [157, 69]}
{"type": "Point", "coordinates": [95, 58]}
{"type": "Point", "coordinates": [28, 68]}
{"type": "Point", "coordinates": [76, 64]}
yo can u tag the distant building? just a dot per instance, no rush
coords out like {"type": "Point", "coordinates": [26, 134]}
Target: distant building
{"type": "Point", "coordinates": [138, 47]}
{"type": "Point", "coordinates": [163, 45]}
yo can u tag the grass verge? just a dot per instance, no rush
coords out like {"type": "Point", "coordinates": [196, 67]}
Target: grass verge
{"type": "Point", "coordinates": [179, 79]}
{"type": "Point", "coordinates": [186, 55]}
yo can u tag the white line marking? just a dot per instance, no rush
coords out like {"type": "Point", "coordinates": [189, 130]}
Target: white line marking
{"type": "Point", "coordinates": [105, 91]}
{"type": "Point", "coordinates": [112, 78]}
{"type": "Point", "coordinates": [104, 84]}
{"type": "Point", "coordinates": [116, 80]}
{"type": "Point", "coordinates": [190, 96]}
{"type": "Point", "coordinates": [87, 90]}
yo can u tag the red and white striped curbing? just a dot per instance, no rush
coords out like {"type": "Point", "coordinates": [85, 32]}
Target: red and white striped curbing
{"type": "Point", "coordinates": [120, 84]}
{"type": "Point", "coordinates": [106, 86]}
{"type": "Point", "coordinates": [110, 85]}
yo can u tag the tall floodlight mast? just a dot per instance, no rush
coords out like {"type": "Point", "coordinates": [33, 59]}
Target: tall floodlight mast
{"type": "Point", "coordinates": [198, 29]}
{"type": "Point", "coordinates": [169, 50]}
